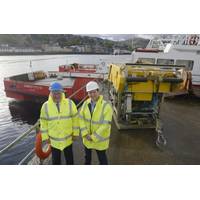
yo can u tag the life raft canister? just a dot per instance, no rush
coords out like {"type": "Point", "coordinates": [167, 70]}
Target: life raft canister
{"type": "Point", "coordinates": [38, 147]}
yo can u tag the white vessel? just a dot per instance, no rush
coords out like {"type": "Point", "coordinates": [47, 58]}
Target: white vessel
{"type": "Point", "coordinates": [184, 50]}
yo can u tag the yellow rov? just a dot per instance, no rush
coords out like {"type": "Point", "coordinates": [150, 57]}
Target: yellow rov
{"type": "Point", "coordinates": [136, 92]}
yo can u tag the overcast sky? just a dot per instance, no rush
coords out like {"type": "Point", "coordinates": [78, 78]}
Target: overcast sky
{"type": "Point", "coordinates": [119, 37]}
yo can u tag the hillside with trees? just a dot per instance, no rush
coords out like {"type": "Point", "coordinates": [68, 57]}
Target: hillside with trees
{"type": "Point", "coordinates": [64, 41]}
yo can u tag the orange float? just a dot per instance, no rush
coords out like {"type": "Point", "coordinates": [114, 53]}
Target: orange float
{"type": "Point", "coordinates": [38, 147]}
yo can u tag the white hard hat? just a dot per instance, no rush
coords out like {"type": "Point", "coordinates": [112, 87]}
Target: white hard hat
{"type": "Point", "coordinates": [92, 85]}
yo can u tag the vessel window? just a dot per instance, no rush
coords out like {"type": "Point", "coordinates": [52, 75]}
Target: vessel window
{"type": "Point", "coordinates": [165, 61]}
{"type": "Point", "coordinates": [188, 63]}
{"type": "Point", "coordinates": [146, 60]}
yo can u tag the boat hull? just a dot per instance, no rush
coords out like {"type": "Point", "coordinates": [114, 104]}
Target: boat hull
{"type": "Point", "coordinates": [38, 91]}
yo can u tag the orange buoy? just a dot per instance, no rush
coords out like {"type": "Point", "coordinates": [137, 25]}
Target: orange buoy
{"type": "Point", "coordinates": [38, 147]}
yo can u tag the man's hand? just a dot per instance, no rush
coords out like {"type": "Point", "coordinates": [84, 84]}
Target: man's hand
{"type": "Point", "coordinates": [47, 141]}
{"type": "Point", "coordinates": [88, 137]}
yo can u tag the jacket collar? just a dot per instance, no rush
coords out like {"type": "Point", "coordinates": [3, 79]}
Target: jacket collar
{"type": "Point", "coordinates": [99, 100]}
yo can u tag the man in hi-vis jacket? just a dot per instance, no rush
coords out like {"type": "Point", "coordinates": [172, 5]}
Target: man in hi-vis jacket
{"type": "Point", "coordinates": [95, 124]}
{"type": "Point", "coordinates": [59, 124]}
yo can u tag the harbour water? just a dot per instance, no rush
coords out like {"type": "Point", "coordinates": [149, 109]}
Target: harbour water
{"type": "Point", "coordinates": [17, 116]}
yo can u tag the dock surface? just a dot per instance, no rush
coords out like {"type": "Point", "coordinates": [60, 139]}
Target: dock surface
{"type": "Point", "coordinates": [181, 118]}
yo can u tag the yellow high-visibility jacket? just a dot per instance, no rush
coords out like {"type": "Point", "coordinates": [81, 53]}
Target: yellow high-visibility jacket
{"type": "Point", "coordinates": [59, 127]}
{"type": "Point", "coordinates": [98, 125]}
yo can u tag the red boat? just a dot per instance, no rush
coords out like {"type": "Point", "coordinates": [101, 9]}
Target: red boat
{"type": "Point", "coordinates": [34, 86]}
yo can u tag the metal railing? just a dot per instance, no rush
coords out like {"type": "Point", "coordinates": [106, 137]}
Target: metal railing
{"type": "Point", "coordinates": [36, 128]}
{"type": "Point", "coordinates": [22, 136]}
{"type": "Point", "coordinates": [19, 138]}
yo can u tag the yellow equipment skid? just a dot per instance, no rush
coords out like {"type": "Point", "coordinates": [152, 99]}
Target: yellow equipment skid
{"type": "Point", "coordinates": [136, 92]}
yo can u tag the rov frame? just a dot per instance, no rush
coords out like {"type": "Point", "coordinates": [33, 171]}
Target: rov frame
{"type": "Point", "coordinates": [136, 95]}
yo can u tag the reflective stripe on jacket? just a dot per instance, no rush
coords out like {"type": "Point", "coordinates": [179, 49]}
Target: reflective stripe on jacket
{"type": "Point", "coordinates": [98, 125]}
{"type": "Point", "coordinates": [59, 127]}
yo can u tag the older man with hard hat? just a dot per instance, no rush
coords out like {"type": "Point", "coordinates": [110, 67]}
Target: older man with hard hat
{"type": "Point", "coordinates": [59, 123]}
{"type": "Point", "coordinates": [95, 124]}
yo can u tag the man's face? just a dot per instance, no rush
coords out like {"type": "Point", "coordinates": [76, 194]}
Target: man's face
{"type": "Point", "coordinates": [94, 95]}
{"type": "Point", "coordinates": [56, 96]}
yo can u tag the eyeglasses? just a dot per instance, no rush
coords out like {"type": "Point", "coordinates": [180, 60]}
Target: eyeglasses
{"type": "Point", "coordinates": [56, 93]}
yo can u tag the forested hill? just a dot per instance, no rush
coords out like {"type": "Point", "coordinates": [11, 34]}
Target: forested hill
{"type": "Point", "coordinates": [66, 40]}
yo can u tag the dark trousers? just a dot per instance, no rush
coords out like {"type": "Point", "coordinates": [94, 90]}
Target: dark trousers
{"type": "Point", "coordinates": [56, 155]}
{"type": "Point", "coordinates": [100, 154]}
